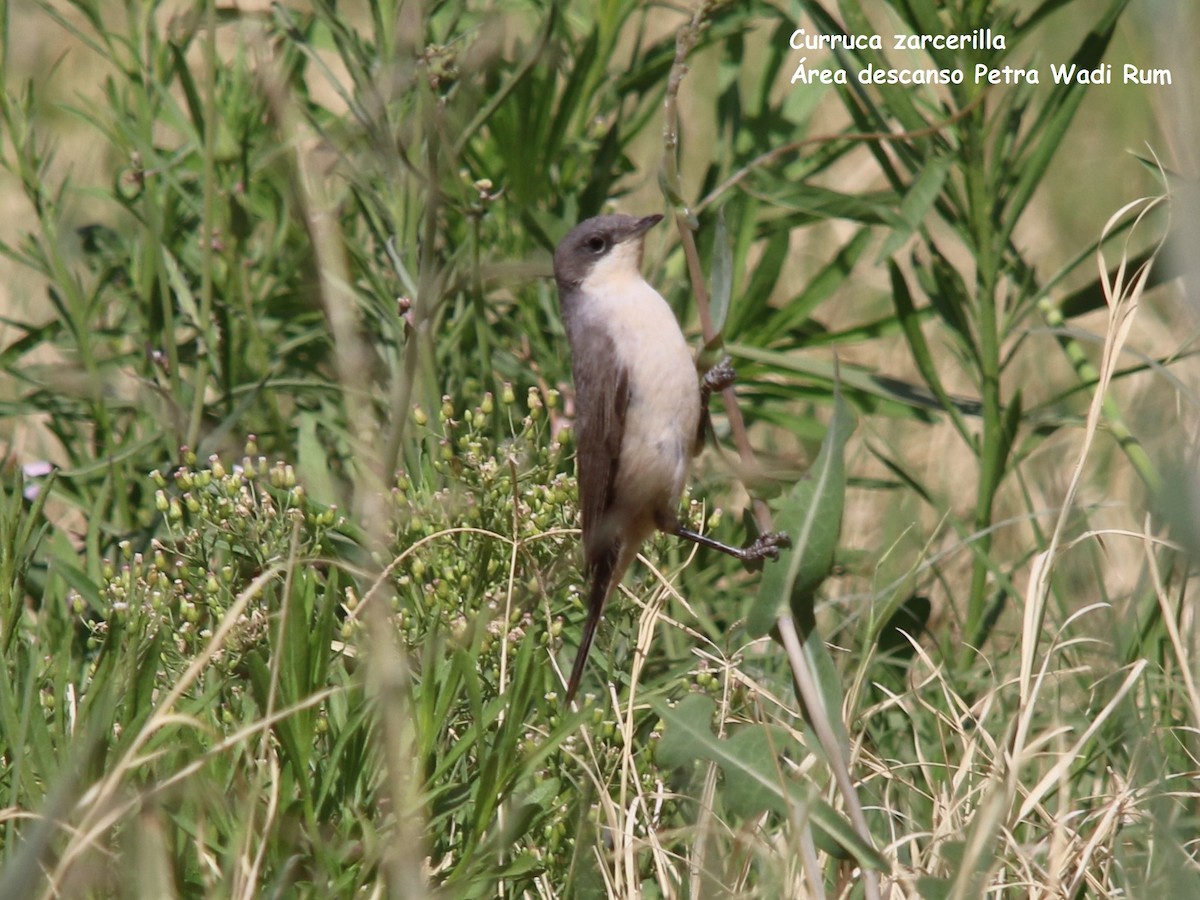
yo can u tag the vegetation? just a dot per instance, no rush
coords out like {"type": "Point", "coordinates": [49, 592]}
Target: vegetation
{"type": "Point", "coordinates": [288, 559]}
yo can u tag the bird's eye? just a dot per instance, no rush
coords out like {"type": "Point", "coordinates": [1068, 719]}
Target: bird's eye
{"type": "Point", "coordinates": [596, 244]}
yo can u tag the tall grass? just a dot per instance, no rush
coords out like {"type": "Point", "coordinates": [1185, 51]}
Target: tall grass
{"type": "Point", "coordinates": [286, 617]}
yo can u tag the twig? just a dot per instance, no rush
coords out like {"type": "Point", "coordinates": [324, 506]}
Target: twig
{"type": "Point", "coordinates": [684, 43]}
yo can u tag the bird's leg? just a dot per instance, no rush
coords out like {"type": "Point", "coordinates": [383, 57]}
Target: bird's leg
{"type": "Point", "coordinates": [714, 381]}
{"type": "Point", "coordinates": [765, 546]}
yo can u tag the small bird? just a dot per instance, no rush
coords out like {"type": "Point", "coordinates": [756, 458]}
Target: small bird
{"type": "Point", "coordinates": [640, 408]}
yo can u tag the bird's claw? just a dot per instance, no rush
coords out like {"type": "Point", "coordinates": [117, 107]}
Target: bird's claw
{"type": "Point", "coordinates": [767, 546]}
{"type": "Point", "coordinates": [720, 376]}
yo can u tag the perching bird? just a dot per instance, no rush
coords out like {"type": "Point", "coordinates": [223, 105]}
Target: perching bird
{"type": "Point", "coordinates": [638, 407]}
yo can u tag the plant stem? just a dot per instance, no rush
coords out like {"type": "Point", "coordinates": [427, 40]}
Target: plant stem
{"type": "Point", "coordinates": [981, 200]}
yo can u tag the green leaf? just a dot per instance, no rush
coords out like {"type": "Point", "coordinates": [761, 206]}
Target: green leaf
{"type": "Point", "coordinates": [917, 202]}
{"type": "Point", "coordinates": [721, 278]}
{"type": "Point", "coordinates": [753, 309]}
{"type": "Point", "coordinates": [811, 514]}
{"type": "Point", "coordinates": [796, 311]}
{"type": "Point", "coordinates": [1043, 139]}
{"type": "Point", "coordinates": [948, 295]}
{"type": "Point", "coordinates": [911, 321]}
{"type": "Point", "coordinates": [754, 761]}
{"type": "Point", "coordinates": [930, 888]}
{"type": "Point", "coordinates": [313, 462]}
{"type": "Point", "coordinates": [80, 582]}
{"type": "Point", "coordinates": [188, 306]}
{"type": "Point", "coordinates": [823, 203]}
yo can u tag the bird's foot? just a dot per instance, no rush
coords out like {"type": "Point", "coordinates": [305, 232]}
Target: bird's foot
{"type": "Point", "coordinates": [719, 377]}
{"type": "Point", "coordinates": [766, 546]}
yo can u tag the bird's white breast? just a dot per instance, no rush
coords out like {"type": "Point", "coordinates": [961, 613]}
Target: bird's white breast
{"type": "Point", "coordinates": [664, 410]}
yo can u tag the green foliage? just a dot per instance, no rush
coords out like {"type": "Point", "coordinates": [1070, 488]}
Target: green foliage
{"type": "Point", "coordinates": [752, 760]}
{"type": "Point", "coordinates": [169, 675]}
{"type": "Point", "coordinates": [811, 514]}
{"type": "Point", "coordinates": [986, 303]}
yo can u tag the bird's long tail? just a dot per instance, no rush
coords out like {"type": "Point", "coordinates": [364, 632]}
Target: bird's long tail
{"type": "Point", "coordinates": [604, 573]}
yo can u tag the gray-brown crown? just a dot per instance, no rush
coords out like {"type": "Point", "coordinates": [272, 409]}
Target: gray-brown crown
{"type": "Point", "coordinates": [592, 240]}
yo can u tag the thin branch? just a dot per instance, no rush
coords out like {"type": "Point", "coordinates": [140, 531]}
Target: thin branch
{"type": "Point", "coordinates": [684, 43]}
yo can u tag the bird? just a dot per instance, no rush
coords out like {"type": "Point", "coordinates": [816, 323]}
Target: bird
{"type": "Point", "coordinates": [640, 408]}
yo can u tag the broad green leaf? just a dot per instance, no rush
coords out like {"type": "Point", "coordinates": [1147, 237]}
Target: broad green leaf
{"type": "Point", "coordinates": [824, 672]}
{"type": "Point", "coordinates": [80, 582]}
{"type": "Point", "coordinates": [753, 760]}
{"type": "Point", "coordinates": [811, 514]}
{"type": "Point", "coordinates": [313, 463]}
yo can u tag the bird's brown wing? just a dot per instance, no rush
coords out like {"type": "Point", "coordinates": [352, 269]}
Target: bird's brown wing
{"type": "Point", "coordinates": [601, 400]}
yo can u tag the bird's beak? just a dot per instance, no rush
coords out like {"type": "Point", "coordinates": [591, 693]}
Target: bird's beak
{"type": "Point", "coordinates": [644, 225]}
